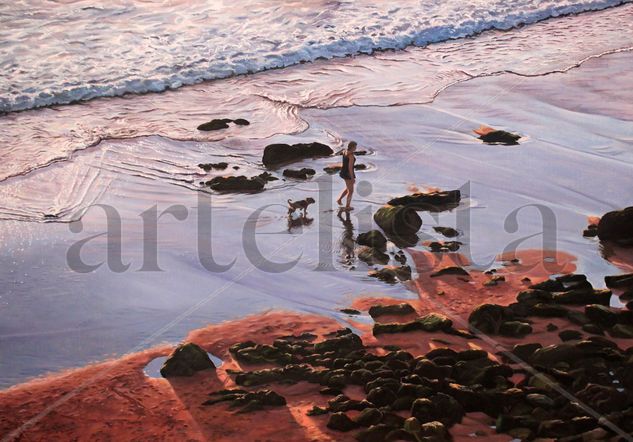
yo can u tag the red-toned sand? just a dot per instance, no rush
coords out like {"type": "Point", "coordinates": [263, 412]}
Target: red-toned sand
{"type": "Point", "coordinates": [116, 401]}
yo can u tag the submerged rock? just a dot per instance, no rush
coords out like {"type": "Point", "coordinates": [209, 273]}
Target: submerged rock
{"type": "Point", "coordinates": [208, 166]}
{"type": "Point", "coordinates": [235, 183]}
{"type": "Point", "coordinates": [185, 360]}
{"type": "Point", "coordinates": [276, 154]}
{"type": "Point", "coordinates": [371, 255]}
{"type": "Point", "coordinates": [432, 201]}
{"type": "Point", "coordinates": [392, 274]}
{"type": "Point", "coordinates": [395, 309]}
{"type": "Point", "coordinates": [373, 238]}
{"type": "Point", "coordinates": [617, 226]}
{"type": "Point", "coordinates": [301, 174]}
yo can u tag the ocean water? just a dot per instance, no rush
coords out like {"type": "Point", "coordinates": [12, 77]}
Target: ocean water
{"type": "Point", "coordinates": [60, 52]}
{"type": "Point", "coordinates": [562, 83]}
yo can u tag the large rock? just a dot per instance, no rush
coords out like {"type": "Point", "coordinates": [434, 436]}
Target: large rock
{"type": "Point", "coordinates": [398, 220]}
{"type": "Point", "coordinates": [277, 154]}
{"type": "Point", "coordinates": [432, 201]}
{"type": "Point", "coordinates": [235, 184]}
{"type": "Point", "coordinates": [617, 226]}
{"type": "Point", "coordinates": [185, 360]}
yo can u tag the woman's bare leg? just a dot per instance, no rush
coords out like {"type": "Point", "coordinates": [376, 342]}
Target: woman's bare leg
{"type": "Point", "coordinates": [339, 201]}
{"type": "Point", "coordinates": [350, 192]}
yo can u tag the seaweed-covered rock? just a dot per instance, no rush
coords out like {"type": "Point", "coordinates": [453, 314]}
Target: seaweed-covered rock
{"type": "Point", "coordinates": [432, 201]}
{"type": "Point", "coordinates": [432, 322]}
{"type": "Point", "coordinates": [185, 360]}
{"type": "Point", "coordinates": [601, 315]}
{"type": "Point", "coordinates": [487, 318]}
{"type": "Point", "coordinates": [444, 246]}
{"type": "Point", "coordinates": [392, 274]}
{"type": "Point", "coordinates": [341, 422]}
{"type": "Point", "coordinates": [394, 309]}
{"type": "Point", "coordinates": [448, 232]}
{"type": "Point", "coordinates": [398, 220]}
{"type": "Point", "coordinates": [208, 166]}
{"type": "Point", "coordinates": [276, 154]}
{"type": "Point", "coordinates": [617, 226]}
{"type": "Point", "coordinates": [451, 270]}
{"type": "Point", "coordinates": [300, 174]}
{"type": "Point", "coordinates": [515, 328]}
{"type": "Point", "coordinates": [373, 238]}
{"type": "Point", "coordinates": [235, 184]}
{"type": "Point", "coordinates": [371, 255]}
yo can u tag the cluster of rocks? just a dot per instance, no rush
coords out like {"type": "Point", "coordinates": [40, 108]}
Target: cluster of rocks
{"type": "Point", "coordinates": [437, 389]}
{"type": "Point", "coordinates": [222, 123]}
{"type": "Point", "coordinates": [569, 297]}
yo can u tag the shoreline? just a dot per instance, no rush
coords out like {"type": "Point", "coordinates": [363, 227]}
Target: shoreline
{"type": "Point", "coordinates": [110, 398]}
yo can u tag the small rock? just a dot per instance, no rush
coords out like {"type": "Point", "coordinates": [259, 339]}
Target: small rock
{"type": "Point", "coordinates": [570, 335]}
{"type": "Point", "coordinates": [601, 315]}
{"type": "Point", "coordinates": [373, 238]}
{"type": "Point", "coordinates": [301, 174]}
{"type": "Point", "coordinates": [276, 154]}
{"type": "Point", "coordinates": [241, 122]}
{"type": "Point", "coordinates": [349, 311]}
{"type": "Point", "coordinates": [208, 166]}
{"type": "Point", "coordinates": [394, 309]}
{"type": "Point", "coordinates": [340, 422]}
{"type": "Point", "coordinates": [235, 184]}
{"type": "Point", "coordinates": [451, 270]}
{"type": "Point", "coordinates": [368, 417]}
{"type": "Point", "coordinates": [622, 331]}
{"type": "Point", "coordinates": [215, 124]}
{"type": "Point", "coordinates": [448, 232]}
{"type": "Point", "coordinates": [515, 328]}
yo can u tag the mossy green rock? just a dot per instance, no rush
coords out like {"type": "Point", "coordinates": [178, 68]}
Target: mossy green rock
{"type": "Point", "coordinates": [185, 360]}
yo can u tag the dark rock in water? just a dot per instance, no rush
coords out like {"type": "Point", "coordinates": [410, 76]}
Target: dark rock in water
{"type": "Point", "coordinates": [549, 285]}
{"type": "Point", "coordinates": [215, 124]}
{"type": "Point", "coordinates": [241, 122]}
{"type": "Point", "coordinates": [570, 335]}
{"type": "Point", "coordinates": [444, 246]}
{"type": "Point", "coordinates": [395, 309]}
{"type": "Point", "coordinates": [619, 281]}
{"type": "Point", "coordinates": [336, 169]}
{"type": "Point", "coordinates": [515, 328]}
{"type": "Point", "coordinates": [591, 231]}
{"type": "Point", "coordinates": [208, 166]}
{"type": "Point", "coordinates": [276, 154]}
{"type": "Point", "coordinates": [300, 174]}
{"type": "Point", "coordinates": [373, 238]}
{"type": "Point", "coordinates": [185, 360]}
{"type": "Point", "coordinates": [392, 274]}
{"type": "Point", "coordinates": [500, 137]}
{"type": "Point", "coordinates": [266, 177]}
{"type": "Point", "coordinates": [235, 184]}
{"type": "Point", "coordinates": [432, 201]}
{"type": "Point", "coordinates": [601, 315]}
{"type": "Point", "coordinates": [617, 226]}
{"type": "Point", "coordinates": [398, 220]}
{"type": "Point", "coordinates": [452, 270]}
{"type": "Point", "coordinates": [340, 422]}
{"type": "Point", "coordinates": [448, 232]}
{"type": "Point", "coordinates": [349, 311]}
{"type": "Point", "coordinates": [371, 255]}
{"type": "Point", "coordinates": [487, 318]}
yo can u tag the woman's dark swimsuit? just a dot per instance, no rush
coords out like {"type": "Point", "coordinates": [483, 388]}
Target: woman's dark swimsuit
{"type": "Point", "coordinates": [345, 170]}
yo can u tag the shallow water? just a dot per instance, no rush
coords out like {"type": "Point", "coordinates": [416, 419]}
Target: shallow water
{"type": "Point", "coordinates": [576, 125]}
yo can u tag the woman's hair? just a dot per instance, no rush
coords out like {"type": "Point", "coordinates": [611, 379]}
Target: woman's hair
{"type": "Point", "coordinates": [352, 145]}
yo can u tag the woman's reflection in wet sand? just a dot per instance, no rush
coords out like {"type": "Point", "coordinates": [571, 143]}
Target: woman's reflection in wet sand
{"type": "Point", "coordinates": [347, 255]}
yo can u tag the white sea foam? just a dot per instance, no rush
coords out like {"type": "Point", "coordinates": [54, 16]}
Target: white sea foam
{"type": "Point", "coordinates": [55, 53]}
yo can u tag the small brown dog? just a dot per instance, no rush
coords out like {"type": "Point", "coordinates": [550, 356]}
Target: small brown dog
{"type": "Point", "coordinates": [301, 205]}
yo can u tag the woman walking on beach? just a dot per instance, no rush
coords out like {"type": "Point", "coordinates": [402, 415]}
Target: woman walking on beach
{"type": "Point", "coordinates": [347, 173]}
